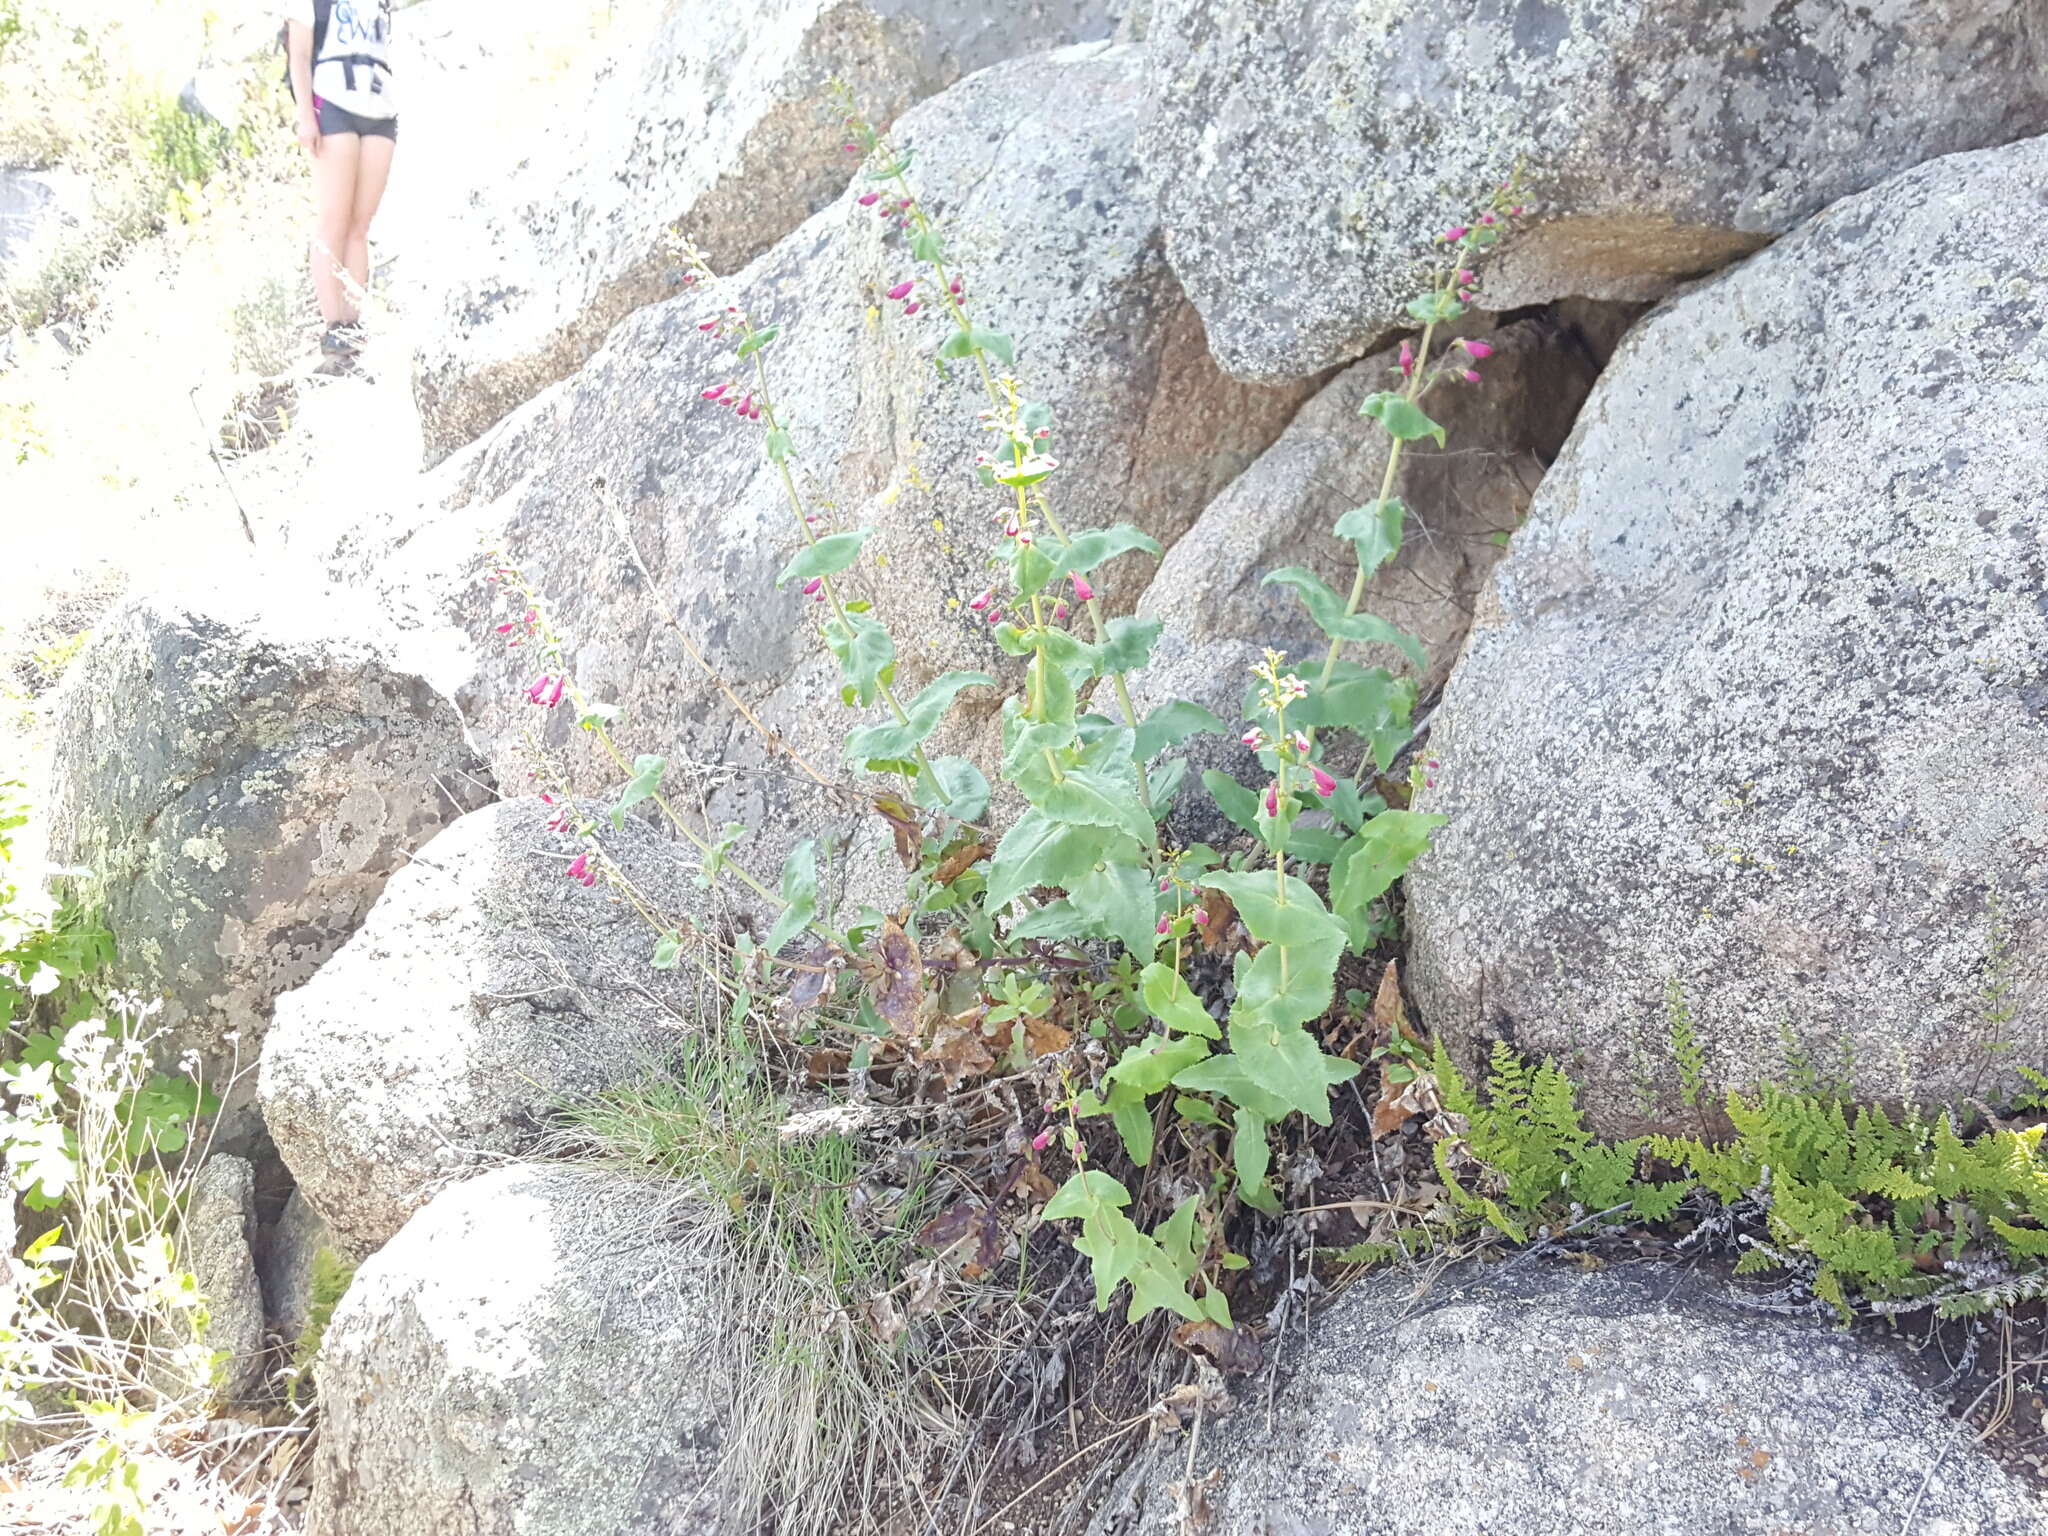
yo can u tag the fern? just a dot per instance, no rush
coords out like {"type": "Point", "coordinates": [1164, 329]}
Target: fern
{"type": "Point", "coordinates": [1685, 1045]}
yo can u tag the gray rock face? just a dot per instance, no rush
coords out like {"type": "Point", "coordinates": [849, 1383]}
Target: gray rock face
{"type": "Point", "coordinates": [716, 119]}
{"type": "Point", "coordinates": [1309, 150]}
{"type": "Point", "coordinates": [287, 1268]}
{"type": "Point", "coordinates": [483, 989]}
{"type": "Point", "coordinates": [1627, 1402]}
{"type": "Point", "coordinates": [239, 771]}
{"type": "Point", "coordinates": [214, 1248]}
{"type": "Point", "coordinates": [525, 1359]}
{"type": "Point", "coordinates": [1761, 708]}
{"type": "Point", "coordinates": [1465, 502]}
{"type": "Point", "coordinates": [1060, 249]}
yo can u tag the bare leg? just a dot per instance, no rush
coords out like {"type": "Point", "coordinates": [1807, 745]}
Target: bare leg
{"type": "Point", "coordinates": [373, 170]}
{"type": "Point", "coordinates": [334, 186]}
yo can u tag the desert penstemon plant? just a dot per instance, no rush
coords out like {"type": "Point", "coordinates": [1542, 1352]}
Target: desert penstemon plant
{"type": "Point", "coordinates": [1080, 912]}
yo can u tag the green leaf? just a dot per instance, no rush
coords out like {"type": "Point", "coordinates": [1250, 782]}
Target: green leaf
{"type": "Point", "coordinates": [955, 786]}
{"type": "Point", "coordinates": [894, 168]}
{"type": "Point", "coordinates": [867, 656]}
{"type": "Point", "coordinates": [1148, 1065]}
{"type": "Point", "coordinates": [668, 949]}
{"type": "Point", "coordinates": [1120, 901]}
{"type": "Point", "coordinates": [1132, 1117]}
{"type": "Point", "coordinates": [1287, 1063]}
{"type": "Point", "coordinates": [1225, 1077]}
{"type": "Point", "coordinates": [1252, 1155]}
{"type": "Point", "coordinates": [1280, 986]}
{"type": "Point", "coordinates": [895, 739]}
{"type": "Point", "coordinates": [956, 345]}
{"type": "Point", "coordinates": [648, 768]}
{"type": "Point", "coordinates": [1327, 609]}
{"type": "Point", "coordinates": [926, 245]}
{"type": "Point", "coordinates": [1040, 850]}
{"type": "Point", "coordinates": [1374, 531]}
{"type": "Point", "coordinates": [1089, 549]}
{"type": "Point", "coordinates": [1401, 416]}
{"type": "Point", "coordinates": [1435, 307]}
{"type": "Point", "coordinates": [1127, 644]}
{"type": "Point", "coordinates": [1197, 1110]}
{"type": "Point", "coordinates": [995, 343]}
{"type": "Point", "coordinates": [1169, 999]}
{"type": "Point", "coordinates": [799, 894]}
{"type": "Point", "coordinates": [1085, 1192]}
{"type": "Point", "coordinates": [827, 557]}
{"type": "Point", "coordinates": [1284, 912]}
{"type": "Point", "coordinates": [1368, 700]}
{"type": "Point", "coordinates": [1241, 805]}
{"type": "Point", "coordinates": [1165, 784]}
{"type": "Point", "coordinates": [1171, 724]}
{"type": "Point", "coordinates": [1030, 570]}
{"type": "Point", "coordinates": [756, 340]}
{"type": "Point", "coordinates": [1378, 856]}
{"type": "Point", "coordinates": [1098, 797]}
{"type": "Point", "coordinates": [779, 445]}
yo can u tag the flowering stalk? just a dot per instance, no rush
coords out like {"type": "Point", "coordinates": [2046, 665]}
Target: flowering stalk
{"type": "Point", "coordinates": [910, 215]}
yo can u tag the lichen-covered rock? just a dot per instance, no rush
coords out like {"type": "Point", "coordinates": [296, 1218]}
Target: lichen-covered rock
{"type": "Point", "coordinates": [1633, 1401]}
{"type": "Point", "coordinates": [213, 1247]}
{"type": "Point", "coordinates": [1309, 150]}
{"type": "Point", "coordinates": [289, 1260]}
{"type": "Point", "coordinates": [483, 990]}
{"type": "Point", "coordinates": [527, 1358]}
{"type": "Point", "coordinates": [1464, 501]}
{"type": "Point", "coordinates": [715, 119]}
{"type": "Point", "coordinates": [1060, 250]}
{"type": "Point", "coordinates": [238, 771]}
{"type": "Point", "coordinates": [1761, 710]}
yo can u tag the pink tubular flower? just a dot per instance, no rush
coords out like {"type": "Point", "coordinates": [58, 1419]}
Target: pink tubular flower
{"type": "Point", "coordinates": [555, 693]}
{"type": "Point", "coordinates": [580, 870]}
{"type": "Point", "coordinates": [1059, 612]}
{"type": "Point", "coordinates": [1082, 591]}
{"type": "Point", "coordinates": [1471, 375]}
{"type": "Point", "coordinates": [1479, 348]}
{"type": "Point", "coordinates": [1301, 742]}
{"type": "Point", "coordinates": [987, 596]}
{"type": "Point", "coordinates": [1407, 360]}
{"type": "Point", "coordinates": [1254, 738]}
{"type": "Point", "coordinates": [811, 587]}
{"type": "Point", "coordinates": [708, 325]}
{"type": "Point", "coordinates": [746, 404]}
{"type": "Point", "coordinates": [1166, 882]}
{"type": "Point", "coordinates": [1165, 925]}
{"type": "Point", "coordinates": [546, 798]}
{"type": "Point", "coordinates": [902, 289]}
{"type": "Point", "coordinates": [1042, 1140]}
{"type": "Point", "coordinates": [505, 628]}
{"type": "Point", "coordinates": [1273, 798]}
{"type": "Point", "coordinates": [1325, 785]}
{"type": "Point", "coordinates": [538, 687]}
{"type": "Point", "coordinates": [1457, 232]}
{"type": "Point", "coordinates": [871, 199]}
{"type": "Point", "coordinates": [715, 391]}
{"type": "Point", "coordinates": [911, 308]}
{"type": "Point", "coordinates": [1201, 918]}
{"type": "Point", "coordinates": [995, 615]}
{"type": "Point", "coordinates": [1467, 276]}
{"type": "Point", "coordinates": [956, 288]}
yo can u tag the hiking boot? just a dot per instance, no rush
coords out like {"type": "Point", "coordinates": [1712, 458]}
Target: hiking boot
{"type": "Point", "coordinates": [342, 341]}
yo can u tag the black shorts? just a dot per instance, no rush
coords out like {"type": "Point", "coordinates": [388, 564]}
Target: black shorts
{"type": "Point", "coordinates": [333, 119]}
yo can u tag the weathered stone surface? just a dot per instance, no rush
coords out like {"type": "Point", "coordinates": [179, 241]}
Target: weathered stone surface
{"type": "Point", "coordinates": [525, 1359]}
{"type": "Point", "coordinates": [1308, 150]}
{"type": "Point", "coordinates": [717, 119]}
{"type": "Point", "coordinates": [482, 990]}
{"type": "Point", "coordinates": [1031, 166]}
{"type": "Point", "coordinates": [1630, 1401]}
{"type": "Point", "coordinates": [287, 1266]}
{"type": "Point", "coordinates": [213, 1247]}
{"type": "Point", "coordinates": [1465, 501]}
{"type": "Point", "coordinates": [238, 771]}
{"type": "Point", "coordinates": [1762, 706]}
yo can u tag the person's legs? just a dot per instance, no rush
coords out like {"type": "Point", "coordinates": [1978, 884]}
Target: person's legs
{"type": "Point", "coordinates": [334, 190]}
{"type": "Point", "coordinates": [372, 171]}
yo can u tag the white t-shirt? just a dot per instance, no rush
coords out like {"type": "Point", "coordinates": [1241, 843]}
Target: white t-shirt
{"type": "Point", "coordinates": [353, 67]}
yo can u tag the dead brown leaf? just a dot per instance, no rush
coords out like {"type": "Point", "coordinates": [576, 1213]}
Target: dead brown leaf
{"type": "Point", "coordinates": [1228, 1349]}
{"type": "Point", "coordinates": [1042, 1037]}
{"type": "Point", "coordinates": [961, 858]}
{"type": "Point", "coordinates": [903, 823]}
{"type": "Point", "coordinates": [885, 1319]}
{"type": "Point", "coordinates": [927, 1281]}
{"type": "Point", "coordinates": [959, 1049]}
{"type": "Point", "coordinates": [896, 978]}
{"type": "Point", "coordinates": [1389, 1014]}
{"type": "Point", "coordinates": [819, 965]}
{"type": "Point", "coordinates": [1222, 912]}
{"type": "Point", "coordinates": [1191, 1504]}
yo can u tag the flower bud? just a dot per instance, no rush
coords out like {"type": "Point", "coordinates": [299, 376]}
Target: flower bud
{"type": "Point", "coordinates": [870, 200]}
{"type": "Point", "coordinates": [902, 289]}
{"type": "Point", "coordinates": [1325, 785]}
{"type": "Point", "coordinates": [1478, 348]}
{"type": "Point", "coordinates": [1082, 591]}
{"type": "Point", "coordinates": [1165, 925]}
{"type": "Point", "coordinates": [811, 587]}
{"type": "Point", "coordinates": [1273, 798]}
{"type": "Point", "coordinates": [715, 391]}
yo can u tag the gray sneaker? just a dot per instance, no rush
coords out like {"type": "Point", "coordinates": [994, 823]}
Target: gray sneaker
{"type": "Point", "coordinates": [342, 341]}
